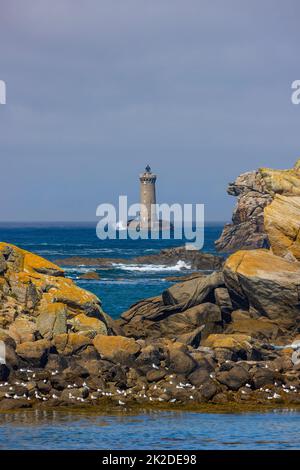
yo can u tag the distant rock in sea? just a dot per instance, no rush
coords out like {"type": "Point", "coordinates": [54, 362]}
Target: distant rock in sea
{"type": "Point", "coordinates": [193, 259]}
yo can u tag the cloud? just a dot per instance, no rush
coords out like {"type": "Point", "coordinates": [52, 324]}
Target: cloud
{"type": "Point", "coordinates": [199, 89]}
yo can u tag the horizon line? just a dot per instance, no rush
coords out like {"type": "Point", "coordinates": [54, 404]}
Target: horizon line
{"type": "Point", "coordinates": [78, 221]}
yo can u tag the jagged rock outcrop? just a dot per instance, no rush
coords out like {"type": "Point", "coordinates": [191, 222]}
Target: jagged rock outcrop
{"type": "Point", "coordinates": [117, 348]}
{"type": "Point", "coordinates": [38, 302]}
{"type": "Point", "coordinates": [255, 191]}
{"type": "Point", "coordinates": [247, 228]}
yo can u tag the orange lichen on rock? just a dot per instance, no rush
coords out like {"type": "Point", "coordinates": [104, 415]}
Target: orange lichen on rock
{"type": "Point", "coordinates": [227, 341]}
{"type": "Point", "coordinates": [116, 347]}
{"type": "Point", "coordinates": [38, 288]}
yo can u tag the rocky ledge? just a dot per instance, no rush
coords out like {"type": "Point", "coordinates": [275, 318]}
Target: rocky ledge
{"type": "Point", "coordinates": [194, 259]}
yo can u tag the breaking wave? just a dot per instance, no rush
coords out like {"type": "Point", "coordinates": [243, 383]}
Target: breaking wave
{"type": "Point", "coordinates": [179, 266]}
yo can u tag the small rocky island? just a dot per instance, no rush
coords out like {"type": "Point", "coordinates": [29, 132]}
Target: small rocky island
{"type": "Point", "coordinates": [194, 259]}
{"type": "Point", "coordinates": [228, 337]}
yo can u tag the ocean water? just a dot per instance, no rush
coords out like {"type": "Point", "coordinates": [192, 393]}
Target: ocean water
{"type": "Point", "coordinates": [119, 287]}
{"type": "Point", "coordinates": [159, 430]}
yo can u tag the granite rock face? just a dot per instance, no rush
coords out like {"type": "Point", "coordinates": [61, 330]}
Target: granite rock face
{"type": "Point", "coordinates": [38, 302]}
{"type": "Point", "coordinates": [247, 228]}
{"type": "Point", "coordinates": [255, 191]}
{"type": "Point", "coordinates": [282, 225]}
{"type": "Point", "coordinates": [265, 284]}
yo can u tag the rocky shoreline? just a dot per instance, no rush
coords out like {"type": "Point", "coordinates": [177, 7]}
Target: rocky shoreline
{"type": "Point", "coordinates": [229, 337]}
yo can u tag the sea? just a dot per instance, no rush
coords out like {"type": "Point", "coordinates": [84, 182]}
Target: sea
{"type": "Point", "coordinates": [123, 284]}
{"type": "Point", "coordinates": [118, 288]}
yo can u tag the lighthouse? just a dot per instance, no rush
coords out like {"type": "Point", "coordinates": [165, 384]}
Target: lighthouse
{"type": "Point", "coordinates": [148, 219]}
{"type": "Point", "coordinates": [148, 216]}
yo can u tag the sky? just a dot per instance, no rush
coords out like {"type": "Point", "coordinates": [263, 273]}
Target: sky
{"type": "Point", "coordinates": [200, 90]}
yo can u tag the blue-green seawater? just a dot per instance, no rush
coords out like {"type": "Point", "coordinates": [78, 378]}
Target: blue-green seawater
{"type": "Point", "coordinates": [160, 430]}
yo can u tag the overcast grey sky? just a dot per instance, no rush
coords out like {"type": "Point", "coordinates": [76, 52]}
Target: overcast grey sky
{"type": "Point", "coordinates": [97, 89]}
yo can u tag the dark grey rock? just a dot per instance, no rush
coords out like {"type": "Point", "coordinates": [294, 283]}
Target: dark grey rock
{"type": "Point", "coordinates": [234, 378]}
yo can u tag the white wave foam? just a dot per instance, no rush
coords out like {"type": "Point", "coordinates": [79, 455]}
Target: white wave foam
{"type": "Point", "coordinates": [179, 266]}
{"type": "Point", "coordinates": [79, 269]}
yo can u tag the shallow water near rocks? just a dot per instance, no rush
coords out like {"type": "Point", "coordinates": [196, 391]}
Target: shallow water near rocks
{"type": "Point", "coordinates": [50, 430]}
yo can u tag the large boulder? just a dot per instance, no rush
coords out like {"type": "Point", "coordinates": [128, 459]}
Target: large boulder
{"type": "Point", "coordinates": [177, 324]}
{"type": "Point", "coordinates": [189, 293]}
{"type": "Point", "coordinates": [151, 320]}
{"type": "Point", "coordinates": [264, 282]}
{"type": "Point", "coordinates": [117, 348]}
{"type": "Point", "coordinates": [263, 376]}
{"type": "Point", "coordinates": [186, 311]}
{"type": "Point", "coordinates": [199, 377]}
{"type": "Point", "coordinates": [180, 362]}
{"type": "Point", "coordinates": [35, 353]}
{"type": "Point", "coordinates": [234, 378]}
{"type": "Point", "coordinates": [206, 314]}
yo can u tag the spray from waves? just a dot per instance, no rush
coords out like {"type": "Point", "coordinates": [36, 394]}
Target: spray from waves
{"type": "Point", "coordinates": [179, 266]}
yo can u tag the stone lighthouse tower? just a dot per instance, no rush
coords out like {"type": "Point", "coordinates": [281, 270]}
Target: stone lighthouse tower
{"type": "Point", "coordinates": [148, 216]}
